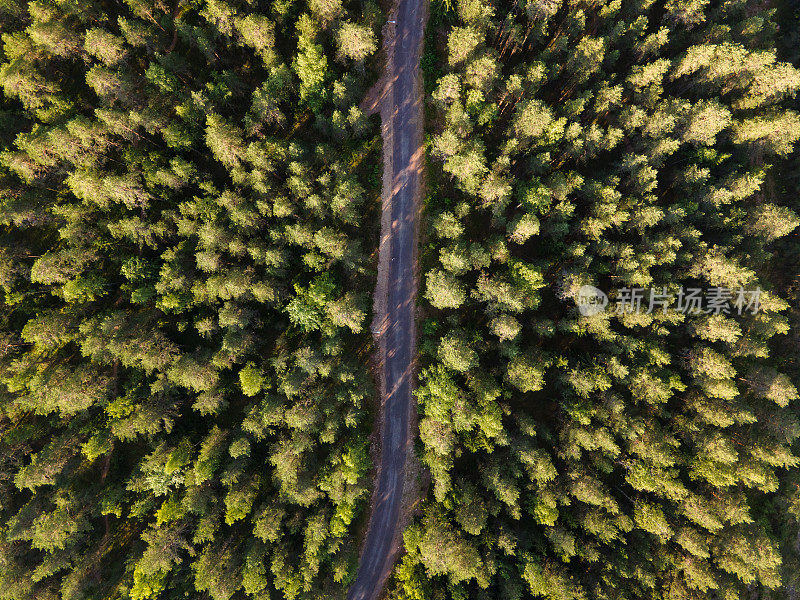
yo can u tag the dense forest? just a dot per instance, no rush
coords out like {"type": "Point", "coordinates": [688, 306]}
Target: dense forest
{"type": "Point", "coordinates": [622, 454]}
{"type": "Point", "coordinates": [188, 216]}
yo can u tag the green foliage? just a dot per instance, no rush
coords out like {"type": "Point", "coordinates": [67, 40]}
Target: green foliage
{"type": "Point", "coordinates": [355, 41]}
{"type": "Point", "coordinates": [617, 455]}
{"type": "Point", "coordinates": [184, 268]}
{"type": "Point", "coordinates": [251, 380]}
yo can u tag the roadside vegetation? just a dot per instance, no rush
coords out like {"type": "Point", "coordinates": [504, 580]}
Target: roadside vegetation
{"type": "Point", "coordinates": [188, 212]}
{"type": "Point", "coordinates": [618, 144]}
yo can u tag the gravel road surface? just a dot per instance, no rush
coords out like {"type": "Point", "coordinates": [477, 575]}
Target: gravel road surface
{"type": "Point", "coordinates": [402, 114]}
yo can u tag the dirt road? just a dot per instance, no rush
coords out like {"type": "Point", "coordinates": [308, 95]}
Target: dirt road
{"type": "Point", "coordinates": [401, 108]}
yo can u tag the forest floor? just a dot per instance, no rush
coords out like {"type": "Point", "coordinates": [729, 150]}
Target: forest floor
{"type": "Point", "coordinates": [398, 97]}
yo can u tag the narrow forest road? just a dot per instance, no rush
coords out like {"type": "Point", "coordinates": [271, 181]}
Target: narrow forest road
{"type": "Point", "coordinates": [401, 108]}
